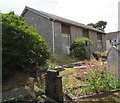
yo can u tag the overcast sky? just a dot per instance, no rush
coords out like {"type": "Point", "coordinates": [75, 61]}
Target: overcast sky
{"type": "Point", "coordinates": [83, 11]}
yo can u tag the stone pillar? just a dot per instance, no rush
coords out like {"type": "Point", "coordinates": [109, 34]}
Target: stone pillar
{"type": "Point", "coordinates": [54, 86]}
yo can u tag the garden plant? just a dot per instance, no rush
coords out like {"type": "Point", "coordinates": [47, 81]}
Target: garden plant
{"type": "Point", "coordinates": [78, 48]}
{"type": "Point", "coordinates": [22, 46]}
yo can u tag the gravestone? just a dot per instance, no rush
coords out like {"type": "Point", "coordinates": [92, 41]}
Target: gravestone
{"type": "Point", "coordinates": [113, 59]}
{"type": "Point", "coordinates": [54, 85]}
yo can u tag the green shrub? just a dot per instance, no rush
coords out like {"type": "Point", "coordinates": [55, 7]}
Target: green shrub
{"type": "Point", "coordinates": [22, 46]}
{"type": "Point", "coordinates": [101, 81]}
{"type": "Point", "coordinates": [78, 48]}
{"type": "Point", "coordinates": [43, 69]}
{"type": "Point", "coordinates": [101, 54]}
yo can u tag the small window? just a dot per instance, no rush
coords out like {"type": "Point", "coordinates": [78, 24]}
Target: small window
{"type": "Point", "coordinates": [85, 33]}
{"type": "Point", "coordinates": [65, 29]}
{"type": "Point", "coordinates": [99, 37]}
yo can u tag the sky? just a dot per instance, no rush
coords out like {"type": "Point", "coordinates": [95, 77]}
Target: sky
{"type": "Point", "coordinates": [83, 11]}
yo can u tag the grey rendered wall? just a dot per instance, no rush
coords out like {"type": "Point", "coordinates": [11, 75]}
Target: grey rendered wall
{"type": "Point", "coordinates": [42, 25]}
{"type": "Point", "coordinates": [58, 37]}
{"type": "Point", "coordinates": [104, 42]}
{"type": "Point", "coordinates": [76, 32]}
{"type": "Point", "coordinates": [93, 37]}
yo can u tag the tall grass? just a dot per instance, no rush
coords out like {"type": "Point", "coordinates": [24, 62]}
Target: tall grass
{"type": "Point", "coordinates": [61, 59]}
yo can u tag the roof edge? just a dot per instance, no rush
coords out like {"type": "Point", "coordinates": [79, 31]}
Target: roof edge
{"type": "Point", "coordinates": [35, 11]}
{"type": "Point", "coordinates": [49, 17]}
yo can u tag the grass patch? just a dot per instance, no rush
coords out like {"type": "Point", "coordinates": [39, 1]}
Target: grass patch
{"type": "Point", "coordinates": [60, 59]}
{"type": "Point", "coordinates": [67, 71]}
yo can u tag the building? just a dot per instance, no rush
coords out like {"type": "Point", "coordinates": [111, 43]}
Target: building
{"type": "Point", "coordinates": [59, 32]}
{"type": "Point", "coordinates": [111, 39]}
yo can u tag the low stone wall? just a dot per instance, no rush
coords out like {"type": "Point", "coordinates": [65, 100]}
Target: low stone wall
{"type": "Point", "coordinates": [71, 97]}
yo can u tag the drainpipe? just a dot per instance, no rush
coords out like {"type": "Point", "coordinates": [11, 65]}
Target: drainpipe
{"type": "Point", "coordinates": [53, 35]}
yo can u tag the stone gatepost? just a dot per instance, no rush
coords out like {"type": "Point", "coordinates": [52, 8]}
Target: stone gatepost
{"type": "Point", "coordinates": [54, 85]}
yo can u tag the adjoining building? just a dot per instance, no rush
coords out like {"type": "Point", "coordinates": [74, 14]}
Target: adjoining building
{"type": "Point", "coordinates": [59, 32]}
{"type": "Point", "coordinates": [111, 39]}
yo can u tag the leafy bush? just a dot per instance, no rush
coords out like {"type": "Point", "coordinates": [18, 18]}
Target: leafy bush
{"type": "Point", "coordinates": [101, 81]}
{"type": "Point", "coordinates": [43, 69]}
{"type": "Point", "coordinates": [78, 48]}
{"type": "Point", "coordinates": [101, 54]}
{"type": "Point", "coordinates": [22, 45]}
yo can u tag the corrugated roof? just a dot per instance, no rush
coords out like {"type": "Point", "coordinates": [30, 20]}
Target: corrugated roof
{"type": "Point", "coordinates": [61, 19]}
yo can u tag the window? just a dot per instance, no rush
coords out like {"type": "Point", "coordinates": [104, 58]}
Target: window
{"type": "Point", "coordinates": [99, 37]}
{"type": "Point", "coordinates": [66, 38]}
{"type": "Point", "coordinates": [85, 33]}
{"type": "Point", "coordinates": [65, 28]}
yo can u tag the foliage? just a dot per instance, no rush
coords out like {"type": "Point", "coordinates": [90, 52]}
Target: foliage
{"type": "Point", "coordinates": [60, 59]}
{"type": "Point", "coordinates": [94, 79]}
{"type": "Point", "coordinates": [69, 83]}
{"type": "Point", "coordinates": [91, 24]}
{"type": "Point", "coordinates": [118, 83]}
{"type": "Point", "coordinates": [36, 89]}
{"type": "Point", "coordinates": [101, 25]}
{"type": "Point", "coordinates": [101, 54]}
{"type": "Point", "coordinates": [78, 48]}
{"type": "Point", "coordinates": [43, 69]}
{"type": "Point", "coordinates": [94, 82]}
{"type": "Point", "coordinates": [22, 45]}
{"type": "Point", "coordinates": [100, 81]}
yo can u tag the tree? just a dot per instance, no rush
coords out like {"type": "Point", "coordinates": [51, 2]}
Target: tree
{"type": "Point", "coordinates": [78, 48]}
{"type": "Point", "coordinates": [101, 25]}
{"type": "Point", "coordinates": [22, 46]}
{"type": "Point", "coordinates": [91, 24]}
